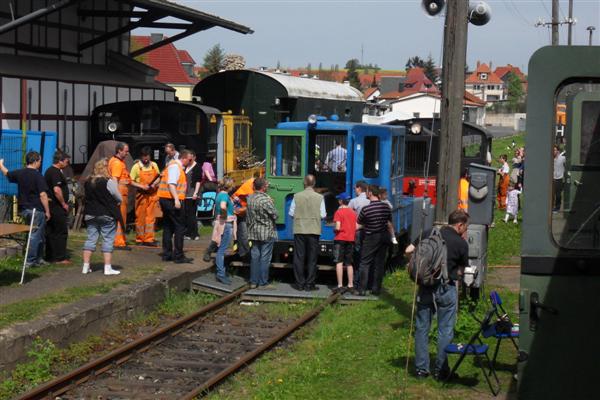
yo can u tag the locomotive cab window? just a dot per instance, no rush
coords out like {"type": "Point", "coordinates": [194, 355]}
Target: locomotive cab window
{"type": "Point", "coordinates": [328, 156]}
{"type": "Point", "coordinates": [471, 144]}
{"type": "Point", "coordinates": [189, 122]}
{"type": "Point", "coordinates": [286, 156]}
{"type": "Point", "coordinates": [575, 163]}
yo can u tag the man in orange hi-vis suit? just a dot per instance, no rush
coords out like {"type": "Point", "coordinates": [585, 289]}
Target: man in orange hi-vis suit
{"type": "Point", "coordinates": [145, 171]}
{"type": "Point", "coordinates": [463, 191]}
{"type": "Point", "coordinates": [118, 170]}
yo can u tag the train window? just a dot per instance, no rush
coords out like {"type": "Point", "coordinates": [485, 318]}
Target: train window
{"type": "Point", "coordinates": [394, 158]}
{"type": "Point", "coordinates": [471, 145]}
{"type": "Point", "coordinates": [189, 122]}
{"type": "Point", "coordinates": [240, 135]}
{"type": "Point", "coordinates": [286, 156]}
{"type": "Point", "coordinates": [150, 119]}
{"type": "Point", "coordinates": [576, 167]}
{"type": "Point", "coordinates": [371, 158]}
{"type": "Point", "coordinates": [330, 152]}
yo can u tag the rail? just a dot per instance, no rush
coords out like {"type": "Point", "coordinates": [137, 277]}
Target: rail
{"type": "Point", "coordinates": [181, 362]}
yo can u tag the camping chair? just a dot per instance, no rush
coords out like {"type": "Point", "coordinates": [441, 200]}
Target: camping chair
{"type": "Point", "coordinates": [475, 347]}
{"type": "Point", "coordinates": [206, 207]}
{"type": "Point", "coordinates": [503, 328]}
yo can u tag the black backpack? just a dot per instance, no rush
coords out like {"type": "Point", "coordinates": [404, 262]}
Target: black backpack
{"type": "Point", "coordinates": [428, 264]}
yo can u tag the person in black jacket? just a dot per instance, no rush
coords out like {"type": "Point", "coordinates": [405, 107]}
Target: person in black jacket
{"type": "Point", "coordinates": [57, 227]}
{"type": "Point", "coordinates": [102, 199]}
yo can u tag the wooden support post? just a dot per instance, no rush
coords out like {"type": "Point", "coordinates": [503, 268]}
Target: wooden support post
{"type": "Point", "coordinates": [555, 23]}
{"type": "Point", "coordinates": [453, 92]}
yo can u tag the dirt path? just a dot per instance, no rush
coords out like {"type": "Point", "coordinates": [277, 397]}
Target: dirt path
{"type": "Point", "coordinates": [136, 265]}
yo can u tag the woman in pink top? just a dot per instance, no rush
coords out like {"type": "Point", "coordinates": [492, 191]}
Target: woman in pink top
{"type": "Point", "coordinates": [209, 179]}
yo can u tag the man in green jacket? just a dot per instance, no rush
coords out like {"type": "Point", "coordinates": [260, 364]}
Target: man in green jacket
{"type": "Point", "coordinates": [307, 210]}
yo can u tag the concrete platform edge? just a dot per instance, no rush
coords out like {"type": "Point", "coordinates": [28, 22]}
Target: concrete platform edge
{"type": "Point", "coordinates": [75, 322]}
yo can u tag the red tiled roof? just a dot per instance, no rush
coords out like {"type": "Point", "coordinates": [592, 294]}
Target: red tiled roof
{"type": "Point", "coordinates": [185, 57]}
{"type": "Point", "coordinates": [469, 99]}
{"type": "Point", "coordinates": [501, 71]}
{"type": "Point", "coordinates": [483, 68]}
{"type": "Point", "coordinates": [167, 60]}
{"type": "Point", "coordinates": [472, 100]}
{"type": "Point", "coordinates": [369, 91]}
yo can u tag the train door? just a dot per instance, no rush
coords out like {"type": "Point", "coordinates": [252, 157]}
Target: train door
{"type": "Point", "coordinates": [370, 151]}
{"type": "Point", "coordinates": [328, 162]}
{"type": "Point", "coordinates": [560, 258]}
{"type": "Point", "coordinates": [286, 167]}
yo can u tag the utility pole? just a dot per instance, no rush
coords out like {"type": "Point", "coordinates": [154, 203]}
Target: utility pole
{"type": "Point", "coordinates": [554, 22]}
{"type": "Point", "coordinates": [453, 92]}
{"type": "Point", "coordinates": [570, 38]}
{"type": "Point", "coordinates": [591, 30]}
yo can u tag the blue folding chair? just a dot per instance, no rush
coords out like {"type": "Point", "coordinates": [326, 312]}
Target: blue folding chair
{"type": "Point", "coordinates": [475, 347]}
{"type": "Point", "coordinates": [206, 207]}
{"type": "Point", "coordinates": [503, 328]}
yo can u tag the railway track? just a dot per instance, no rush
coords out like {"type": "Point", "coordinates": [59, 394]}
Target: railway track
{"type": "Point", "coordinates": [182, 360]}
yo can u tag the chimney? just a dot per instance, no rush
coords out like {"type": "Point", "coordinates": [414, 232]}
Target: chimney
{"type": "Point", "coordinates": [491, 66]}
{"type": "Point", "coordinates": [156, 37]}
{"type": "Point", "coordinates": [478, 63]}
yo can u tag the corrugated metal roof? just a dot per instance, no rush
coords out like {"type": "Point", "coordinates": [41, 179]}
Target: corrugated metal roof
{"type": "Point", "coordinates": [315, 88]}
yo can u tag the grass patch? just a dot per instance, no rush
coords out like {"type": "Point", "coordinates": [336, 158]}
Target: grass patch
{"type": "Point", "coordinates": [48, 361]}
{"type": "Point", "coordinates": [359, 352]}
{"type": "Point", "coordinates": [29, 309]}
{"type": "Point", "coordinates": [504, 146]}
{"type": "Point", "coordinates": [504, 247]}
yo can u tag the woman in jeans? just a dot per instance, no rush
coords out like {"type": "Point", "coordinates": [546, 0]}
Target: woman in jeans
{"type": "Point", "coordinates": [102, 199]}
{"type": "Point", "coordinates": [224, 228]}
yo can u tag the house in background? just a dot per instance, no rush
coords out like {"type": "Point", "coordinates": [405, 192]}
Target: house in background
{"type": "Point", "coordinates": [411, 104]}
{"type": "Point", "coordinates": [371, 93]}
{"type": "Point", "coordinates": [502, 73]}
{"type": "Point", "coordinates": [175, 67]}
{"type": "Point", "coordinates": [485, 84]}
{"type": "Point", "coordinates": [418, 97]}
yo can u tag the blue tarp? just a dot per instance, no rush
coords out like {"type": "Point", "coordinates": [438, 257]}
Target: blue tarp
{"type": "Point", "coordinates": [11, 150]}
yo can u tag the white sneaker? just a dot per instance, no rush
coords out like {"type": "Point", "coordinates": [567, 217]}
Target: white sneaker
{"type": "Point", "coordinates": [110, 271]}
{"type": "Point", "coordinates": [86, 269]}
{"type": "Point", "coordinates": [515, 222]}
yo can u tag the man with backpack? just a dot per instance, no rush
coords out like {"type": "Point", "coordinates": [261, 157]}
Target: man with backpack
{"type": "Point", "coordinates": [437, 263]}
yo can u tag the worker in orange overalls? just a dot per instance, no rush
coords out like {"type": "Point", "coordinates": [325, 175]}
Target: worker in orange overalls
{"type": "Point", "coordinates": [463, 191]}
{"type": "Point", "coordinates": [504, 172]}
{"type": "Point", "coordinates": [145, 171]}
{"type": "Point", "coordinates": [118, 170]}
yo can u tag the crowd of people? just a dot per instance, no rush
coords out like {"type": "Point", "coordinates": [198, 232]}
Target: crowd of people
{"type": "Point", "coordinates": [363, 233]}
{"type": "Point", "coordinates": [45, 200]}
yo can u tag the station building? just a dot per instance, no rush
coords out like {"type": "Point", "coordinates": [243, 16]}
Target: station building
{"type": "Point", "coordinates": [60, 59]}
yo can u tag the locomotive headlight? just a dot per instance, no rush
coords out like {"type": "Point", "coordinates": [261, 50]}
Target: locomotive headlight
{"type": "Point", "coordinates": [416, 128]}
{"type": "Point", "coordinates": [312, 119]}
{"type": "Point", "coordinates": [112, 127]}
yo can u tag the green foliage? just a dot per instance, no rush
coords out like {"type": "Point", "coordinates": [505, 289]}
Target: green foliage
{"type": "Point", "coordinates": [26, 376]}
{"type": "Point", "coordinates": [213, 59]}
{"type": "Point", "coordinates": [413, 62]}
{"type": "Point", "coordinates": [352, 73]}
{"type": "Point", "coordinates": [47, 361]}
{"type": "Point", "coordinates": [359, 351]}
{"type": "Point", "coordinates": [515, 90]}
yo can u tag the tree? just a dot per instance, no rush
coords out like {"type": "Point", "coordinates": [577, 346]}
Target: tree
{"type": "Point", "coordinates": [353, 62]}
{"type": "Point", "coordinates": [430, 70]}
{"type": "Point", "coordinates": [515, 89]}
{"type": "Point", "coordinates": [213, 60]}
{"type": "Point", "coordinates": [278, 65]}
{"type": "Point", "coordinates": [374, 82]}
{"type": "Point", "coordinates": [415, 61]}
{"type": "Point", "coordinates": [352, 73]}
{"type": "Point", "coordinates": [309, 69]}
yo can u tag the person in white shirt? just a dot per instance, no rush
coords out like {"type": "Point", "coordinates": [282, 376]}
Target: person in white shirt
{"type": "Point", "coordinates": [336, 158]}
{"type": "Point", "coordinates": [558, 177]}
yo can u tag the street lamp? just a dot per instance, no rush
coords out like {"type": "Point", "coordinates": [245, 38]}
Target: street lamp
{"type": "Point", "coordinates": [591, 29]}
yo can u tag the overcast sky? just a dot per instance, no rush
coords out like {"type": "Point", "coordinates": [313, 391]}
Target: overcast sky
{"type": "Point", "coordinates": [298, 32]}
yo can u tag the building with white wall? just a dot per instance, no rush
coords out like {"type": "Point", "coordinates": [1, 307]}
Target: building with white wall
{"type": "Point", "coordinates": [61, 59]}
